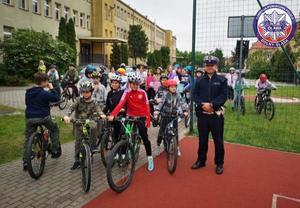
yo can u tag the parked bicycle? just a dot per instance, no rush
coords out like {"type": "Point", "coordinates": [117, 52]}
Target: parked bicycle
{"type": "Point", "coordinates": [265, 103]}
{"type": "Point", "coordinates": [37, 150]}
{"type": "Point", "coordinates": [124, 155]}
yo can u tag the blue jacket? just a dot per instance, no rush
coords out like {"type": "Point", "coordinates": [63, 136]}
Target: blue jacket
{"type": "Point", "coordinates": [212, 90]}
{"type": "Point", "coordinates": [38, 101]}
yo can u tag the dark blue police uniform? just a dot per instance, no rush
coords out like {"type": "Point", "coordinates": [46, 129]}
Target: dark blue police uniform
{"type": "Point", "coordinates": [210, 90]}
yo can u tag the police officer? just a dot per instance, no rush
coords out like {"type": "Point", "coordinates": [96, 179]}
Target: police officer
{"type": "Point", "coordinates": [210, 94]}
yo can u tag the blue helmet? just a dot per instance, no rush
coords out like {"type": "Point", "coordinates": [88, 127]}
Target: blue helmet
{"type": "Point", "coordinates": [89, 70]}
{"type": "Point", "coordinates": [188, 68]}
{"type": "Point", "coordinates": [211, 60]}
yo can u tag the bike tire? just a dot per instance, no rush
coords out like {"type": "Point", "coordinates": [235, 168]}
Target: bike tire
{"type": "Point", "coordinates": [269, 106]}
{"type": "Point", "coordinates": [105, 149]}
{"type": "Point", "coordinates": [117, 151]}
{"type": "Point", "coordinates": [86, 166]}
{"type": "Point", "coordinates": [172, 154]}
{"type": "Point", "coordinates": [137, 148]}
{"type": "Point", "coordinates": [63, 100]}
{"type": "Point", "coordinates": [187, 121]}
{"type": "Point", "coordinates": [35, 139]}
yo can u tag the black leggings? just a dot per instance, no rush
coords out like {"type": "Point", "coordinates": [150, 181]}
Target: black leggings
{"type": "Point", "coordinates": [141, 125]}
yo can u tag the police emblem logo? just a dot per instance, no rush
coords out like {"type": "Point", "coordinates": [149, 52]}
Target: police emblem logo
{"type": "Point", "coordinates": [274, 25]}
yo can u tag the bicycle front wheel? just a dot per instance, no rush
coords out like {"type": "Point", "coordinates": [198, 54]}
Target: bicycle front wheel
{"type": "Point", "coordinates": [85, 165]}
{"type": "Point", "coordinates": [107, 144]}
{"type": "Point", "coordinates": [269, 109]}
{"type": "Point", "coordinates": [63, 100]}
{"type": "Point", "coordinates": [35, 155]}
{"type": "Point", "coordinates": [172, 154]}
{"type": "Point", "coordinates": [120, 167]}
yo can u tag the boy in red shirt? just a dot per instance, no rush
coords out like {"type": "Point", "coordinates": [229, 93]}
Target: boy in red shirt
{"type": "Point", "coordinates": [137, 105]}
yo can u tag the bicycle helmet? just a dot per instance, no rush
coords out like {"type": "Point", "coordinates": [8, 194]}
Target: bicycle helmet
{"type": "Point", "coordinates": [121, 71]}
{"type": "Point", "coordinates": [171, 83]}
{"type": "Point", "coordinates": [134, 78]}
{"type": "Point", "coordinates": [188, 68]}
{"type": "Point", "coordinates": [89, 70]}
{"type": "Point", "coordinates": [163, 76]}
{"type": "Point", "coordinates": [263, 77]}
{"type": "Point", "coordinates": [87, 86]}
{"type": "Point", "coordinates": [96, 75]}
{"type": "Point", "coordinates": [117, 78]}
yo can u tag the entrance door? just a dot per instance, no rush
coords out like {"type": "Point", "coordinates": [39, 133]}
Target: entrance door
{"type": "Point", "coordinates": [85, 54]}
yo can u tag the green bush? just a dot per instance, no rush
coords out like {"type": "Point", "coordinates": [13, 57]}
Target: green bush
{"type": "Point", "coordinates": [22, 52]}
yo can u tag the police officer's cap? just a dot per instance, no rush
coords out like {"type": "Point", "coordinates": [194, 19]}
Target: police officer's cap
{"type": "Point", "coordinates": [211, 60]}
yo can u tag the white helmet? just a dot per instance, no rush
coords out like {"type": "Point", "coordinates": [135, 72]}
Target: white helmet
{"type": "Point", "coordinates": [117, 78]}
{"type": "Point", "coordinates": [134, 78]}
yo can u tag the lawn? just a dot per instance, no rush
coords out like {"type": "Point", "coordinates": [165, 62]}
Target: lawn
{"type": "Point", "coordinates": [282, 133]}
{"type": "Point", "coordinates": [12, 135]}
{"type": "Point", "coordinates": [286, 92]}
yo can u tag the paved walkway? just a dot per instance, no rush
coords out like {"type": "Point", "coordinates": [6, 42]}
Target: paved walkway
{"type": "Point", "coordinates": [58, 187]}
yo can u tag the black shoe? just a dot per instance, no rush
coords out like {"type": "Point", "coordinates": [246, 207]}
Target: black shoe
{"type": "Point", "coordinates": [55, 155]}
{"type": "Point", "coordinates": [25, 166]}
{"type": "Point", "coordinates": [219, 169]}
{"type": "Point", "coordinates": [75, 166]}
{"type": "Point", "coordinates": [198, 164]}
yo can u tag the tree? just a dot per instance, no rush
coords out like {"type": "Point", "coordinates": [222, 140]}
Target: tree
{"type": "Point", "coordinates": [165, 56]}
{"type": "Point", "coordinates": [115, 56]}
{"type": "Point", "coordinates": [71, 34]}
{"type": "Point", "coordinates": [137, 42]}
{"type": "Point", "coordinates": [158, 58]}
{"type": "Point", "coordinates": [22, 52]}
{"type": "Point", "coordinates": [281, 69]}
{"type": "Point", "coordinates": [151, 60]}
{"type": "Point", "coordinates": [62, 30]}
{"type": "Point", "coordinates": [258, 63]}
{"type": "Point", "coordinates": [124, 53]}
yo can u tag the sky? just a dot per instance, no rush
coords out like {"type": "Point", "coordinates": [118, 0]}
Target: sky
{"type": "Point", "coordinates": [175, 15]}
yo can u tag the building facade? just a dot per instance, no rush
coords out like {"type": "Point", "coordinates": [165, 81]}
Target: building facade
{"type": "Point", "coordinates": [98, 24]}
{"type": "Point", "coordinates": [212, 21]}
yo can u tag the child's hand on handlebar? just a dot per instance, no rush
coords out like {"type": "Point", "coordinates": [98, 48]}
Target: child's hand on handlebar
{"type": "Point", "coordinates": [110, 118]}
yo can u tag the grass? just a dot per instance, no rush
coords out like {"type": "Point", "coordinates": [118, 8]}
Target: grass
{"type": "Point", "coordinates": [282, 133]}
{"type": "Point", "coordinates": [12, 136]}
{"type": "Point", "coordinates": [286, 92]}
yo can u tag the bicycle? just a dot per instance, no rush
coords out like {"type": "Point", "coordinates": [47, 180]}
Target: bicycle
{"type": "Point", "coordinates": [124, 155]}
{"type": "Point", "coordinates": [66, 95]}
{"type": "Point", "coordinates": [171, 143]}
{"type": "Point", "coordinates": [242, 105]}
{"type": "Point", "coordinates": [85, 155]}
{"type": "Point", "coordinates": [265, 103]}
{"type": "Point", "coordinates": [36, 151]}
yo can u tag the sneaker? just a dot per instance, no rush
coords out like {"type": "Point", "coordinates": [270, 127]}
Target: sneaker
{"type": "Point", "coordinates": [158, 150]}
{"type": "Point", "coordinates": [219, 169]}
{"type": "Point", "coordinates": [178, 152]}
{"type": "Point", "coordinates": [150, 164]}
{"type": "Point", "coordinates": [75, 166]}
{"type": "Point", "coordinates": [25, 166]}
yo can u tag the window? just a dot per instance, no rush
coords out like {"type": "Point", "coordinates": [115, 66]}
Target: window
{"type": "Point", "coordinates": [57, 11]}
{"type": "Point", "coordinates": [75, 17]}
{"type": "Point", "coordinates": [106, 33]}
{"type": "Point", "coordinates": [88, 20]}
{"type": "Point", "coordinates": [110, 34]}
{"type": "Point", "coordinates": [8, 2]}
{"type": "Point", "coordinates": [35, 6]}
{"type": "Point", "coordinates": [66, 12]}
{"type": "Point", "coordinates": [106, 12]}
{"type": "Point", "coordinates": [47, 8]}
{"type": "Point", "coordinates": [7, 32]}
{"type": "Point", "coordinates": [82, 17]}
{"type": "Point", "coordinates": [22, 4]}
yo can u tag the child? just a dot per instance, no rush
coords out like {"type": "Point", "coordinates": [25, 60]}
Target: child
{"type": "Point", "coordinates": [85, 108]}
{"type": "Point", "coordinates": [54, 78]}
{"type": "Point", "coordinates": [99, 90]}
{"type": "Point", "coordinates": [37, 112]}
{"type": "Point", "coordinates": [113, 98]}
{"type": "Point", "coordinates": [171, 105]}
{"type": "Point", "coordinates": [137, 105]}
